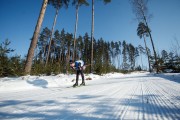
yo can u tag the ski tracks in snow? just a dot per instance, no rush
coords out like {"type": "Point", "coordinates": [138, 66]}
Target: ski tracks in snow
{"type": "Point", "coordinates": [129, 97]}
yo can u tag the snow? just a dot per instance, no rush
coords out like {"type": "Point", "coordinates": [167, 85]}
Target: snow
{"type": "Point", "coordinates": [111, 96]}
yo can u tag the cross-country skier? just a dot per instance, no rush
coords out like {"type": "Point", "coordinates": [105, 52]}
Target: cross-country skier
{"type": "Point", "coordinates": [78, 66]}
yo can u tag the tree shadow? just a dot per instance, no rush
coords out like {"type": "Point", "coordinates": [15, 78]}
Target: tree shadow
{"type": "Point", "coordinates": [92, 107]}
{"type": "Point", "coordinates": [170, 77]}
{"type": "Point", "coordinates": [151, 76]}
{"type": "Point", "coordinates": [41, 110]}
{"type": "Point", "coordinates": [153, 105]}
{"type": "Point", "coordinates": [38, 83]}
{"type": "Point", "coordinates": [87, 107]}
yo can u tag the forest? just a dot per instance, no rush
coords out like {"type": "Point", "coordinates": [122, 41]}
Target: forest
{"type": "Point", "coordinates": [108, 56]}
{"type": "Point", "coordinates": [50, 50]}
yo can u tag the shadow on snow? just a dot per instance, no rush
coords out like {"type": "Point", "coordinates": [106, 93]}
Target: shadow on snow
{"type": "Point", "coordinates": [81, 107]}
{"type": "Point", "coordinates": [38, 83]}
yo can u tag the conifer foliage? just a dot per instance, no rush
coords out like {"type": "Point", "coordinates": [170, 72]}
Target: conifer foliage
{"type": "Point", "coordinates": [9, 66]}
{"type": "Point", "coordinates": [50, 50]}
{"type": "Point", "coordinates": [109, 56]}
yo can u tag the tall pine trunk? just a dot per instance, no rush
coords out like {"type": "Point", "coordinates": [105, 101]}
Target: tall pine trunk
{"type": "Point", "coordinates": [92, 36]}
{"type": "Point", "coordinates": [74, 53]}
{"type": "Point", "coordinates": [155, 55]}
{"type": "Point", "coordinates": [33, 44]}
{"type": "Point", "coordinates": [49, 48]}
{"type": "Point", "coordinates": [67, 59]}
{"type": "Point", "coordinates": [147, 54]}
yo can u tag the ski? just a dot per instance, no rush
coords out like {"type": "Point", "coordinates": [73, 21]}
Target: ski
{"type": "Point", "coordinates": [78, 86]}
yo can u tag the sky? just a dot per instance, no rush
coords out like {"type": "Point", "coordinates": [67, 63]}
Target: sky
{"type": "Point", "coordinates": [113, 22]}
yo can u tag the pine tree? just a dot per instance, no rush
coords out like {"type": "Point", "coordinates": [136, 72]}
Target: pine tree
{"type": "Point", "coordinates": [140, 10]}
{"type": "Point", "coordinates": [132, 56]}
{"type": "Point", "coordinates": [124, 52]}
{"type": "Point", "coordinates": [43, 43]}
{"type": "Point", "coordinates": [34, 40]}
{"type": "Point", "coordinates": [5, 64]}
{"type": "Point", "coordinates": [164, 55]}
{"type": "Point", "coordinates": [77, 3]}
{"type": "Point", "coordinates": [57, 5]}
{"type": "Point", "coordinates": [142, 31]}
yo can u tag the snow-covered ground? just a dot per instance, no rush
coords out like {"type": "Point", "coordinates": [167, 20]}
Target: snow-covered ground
{"type": "Point", "coordinates": [108, 97]}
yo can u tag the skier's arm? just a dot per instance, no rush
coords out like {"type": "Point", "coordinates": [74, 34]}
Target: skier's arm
{"type": "Point", "coordinates": [73, 68]}
{"type": "Point", "coordinates": [79, 66]}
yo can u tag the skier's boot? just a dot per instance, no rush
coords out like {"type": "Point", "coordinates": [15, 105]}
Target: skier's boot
{"type": "Point", "coordinates": [75, 85]}
{"type": "Point", "coordinates": [82, 84]}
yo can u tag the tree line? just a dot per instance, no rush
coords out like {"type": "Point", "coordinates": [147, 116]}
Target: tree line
{"type": "Point", "coordinates": [50, 50]}
{"type": "Point", "coordinates": [57, 4]}
{"type": "Point", "coordinates": [109, 56]}
{"type": "Point", "coordinates": [106, 55]}
{"type": "Point", "coordinates": [139, 9]}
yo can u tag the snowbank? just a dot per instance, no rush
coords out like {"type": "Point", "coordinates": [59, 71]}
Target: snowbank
{"type": "Point", "coordinates": [63, 80]}
{"type": "Point", "coordinates": [111, 96]}
{"type": "Point", "coordinates": [40, 82]}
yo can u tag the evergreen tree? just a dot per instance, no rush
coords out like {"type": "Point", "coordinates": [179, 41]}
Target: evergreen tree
{"type": "Point", "coordinates": [34, 40]}
{"type": "Point", "coordinates": [92, 33]}
{"type": "Point", "coordinates": [43, 43]}
{"type": "Point", "coordinates": [69, 38]}
{"type": "Point", "coordinates": [57, 5]}
{"type": "Point", "coordinates": [57, 39]}
{"type": "Point", "coordinates": [142, 31]}
{"type": "Point", "coordinates": [77, 3]}
{"type": "Point", "coordinates": [80, 47]}
{"type": "Point", "coordinates": [5, 64]}
{"type": "Point", "coordinates": [132, 55]}
{"type": "Point", "coordinates": [164, 55]}
{"type": "Point", "coordinates": [87, 52]}
{"type": "Point", "coordinates": [119, 55]}
{"type": "Point", "coordinates": [140, 9]}
{"type": "Point", "coordinates": [124, 52]}
{"type": "Point", "coordinates": [112, 51]}
{"type": "Point", "coordinates": [16, 64]}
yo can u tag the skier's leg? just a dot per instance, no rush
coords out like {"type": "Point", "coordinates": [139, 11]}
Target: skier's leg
{"type": "Point", "coordinates": [77, 77]}
{"type": "Point", "coordinates": [82, 75]}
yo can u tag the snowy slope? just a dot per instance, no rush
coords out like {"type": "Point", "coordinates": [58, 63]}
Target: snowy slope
{"type": "Point", "coordinates": [109, 97]}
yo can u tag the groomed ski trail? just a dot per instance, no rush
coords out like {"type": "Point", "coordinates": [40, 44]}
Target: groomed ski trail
{"type": "Point", "coordinates": [142, 96]}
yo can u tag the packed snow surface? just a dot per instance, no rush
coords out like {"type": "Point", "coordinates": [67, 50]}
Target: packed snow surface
{"type": "Point", "coordinates": [112, 96]}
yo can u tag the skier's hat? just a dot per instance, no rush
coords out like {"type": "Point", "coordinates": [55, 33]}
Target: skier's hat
{"type": "Point", "coordinates": [71, 61]}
